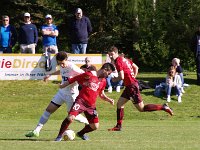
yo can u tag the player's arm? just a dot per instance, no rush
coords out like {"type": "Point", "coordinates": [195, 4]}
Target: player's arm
{"type": "Point", "coordinates": [54, 33]}
{"type": "Point", "coordinates": [103, 96]}
{"type": "Point", "coordinates": [72, 80]}
{"type": "Point", "coordinates": [135, 69]}
{"type": "Point", "coordinates": [49, 75]}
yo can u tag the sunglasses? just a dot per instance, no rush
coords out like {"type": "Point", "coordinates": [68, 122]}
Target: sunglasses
{"type": "Point", "coordinates": [5, 20]}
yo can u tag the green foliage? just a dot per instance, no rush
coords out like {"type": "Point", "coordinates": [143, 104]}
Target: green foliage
{"type": "Point", "coordinates": [161, 30]}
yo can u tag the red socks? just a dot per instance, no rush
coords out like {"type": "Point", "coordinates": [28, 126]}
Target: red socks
{"type": "Point", "coordinates": [153, 107]}
{"type": "Point", "coordinates": [64, 126]}
{"type": "Point", "coordinates": [120, 116]}
{"type": "Point", "coordinates": [86, 129]}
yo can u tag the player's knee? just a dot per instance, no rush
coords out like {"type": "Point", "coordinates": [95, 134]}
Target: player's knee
{"type": "Point", "coordinates": [71, 118]}
{"type": "Point", "coordinates": [94, 126]}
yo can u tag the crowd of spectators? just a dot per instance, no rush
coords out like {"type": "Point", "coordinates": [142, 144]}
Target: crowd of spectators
{"type": "Point", "coordinates": [27, 34]}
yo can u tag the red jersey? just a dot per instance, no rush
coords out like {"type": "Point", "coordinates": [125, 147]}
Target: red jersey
{"type": "Point", "coordinates": [124, 64]}
{"type": "Point", "coordinates": [91, 86]}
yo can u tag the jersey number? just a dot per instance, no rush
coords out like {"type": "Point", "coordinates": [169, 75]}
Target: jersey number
{"type": "Point", "coordinates": [76, 106]}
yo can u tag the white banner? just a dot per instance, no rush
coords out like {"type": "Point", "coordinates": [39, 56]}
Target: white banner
{"type": "Point", "coordinates": [31, 66]}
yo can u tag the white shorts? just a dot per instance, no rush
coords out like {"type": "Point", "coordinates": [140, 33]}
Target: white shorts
{"type": "Point", "coordinates": [61, 98]}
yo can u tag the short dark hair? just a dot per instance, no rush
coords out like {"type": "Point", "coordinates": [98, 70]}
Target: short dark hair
{"type": "Point", "coordinates": [108, 66]}
{"type": "Point", "coordinates": [113, 49]}
{"type": "Point", "coordinates": [60, 56]}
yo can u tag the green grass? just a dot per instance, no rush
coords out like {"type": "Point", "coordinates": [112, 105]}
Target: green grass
{"type": "Point", "coordinates": [23, 102]}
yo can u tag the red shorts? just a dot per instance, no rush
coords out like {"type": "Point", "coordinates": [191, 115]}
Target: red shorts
{"type": "Point", "coordinates": [132, 91]}
{"type": "Point", "coordinates": [80, 106]}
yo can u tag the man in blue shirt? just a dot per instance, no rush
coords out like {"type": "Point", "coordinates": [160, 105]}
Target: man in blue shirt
{"type": "Point", "coordinates": [8, 36]}
{"type": "Point", "coordinates": [49, 33]}
{"type": "Point", "coordinates": [80, 28]}
{"type": "Point", "coordinates": [28, 35]}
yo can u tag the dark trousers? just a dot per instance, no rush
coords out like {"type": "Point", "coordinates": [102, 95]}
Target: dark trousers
{"type": "Point", "coordinates": [6, 49]}
{"type": "Point", "coordinates": [198, 68]}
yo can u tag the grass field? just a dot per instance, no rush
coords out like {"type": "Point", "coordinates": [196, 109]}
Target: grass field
{"type": "Point", "coordinates": [23, 102]}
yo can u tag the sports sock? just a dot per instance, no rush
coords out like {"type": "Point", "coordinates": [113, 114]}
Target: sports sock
{"type": "Point", "coordinates": [65, 124]}
{"type": "Point", "coordinates": [43, 119]}
{"type": "Point", "coordinates": [86, 129]}
{"type": "Point", "coordinates": [81, 118]}
{"type": "Point", "coordinates": [153, 107]}
{"type": "Point", "coordinates": [120, 116]}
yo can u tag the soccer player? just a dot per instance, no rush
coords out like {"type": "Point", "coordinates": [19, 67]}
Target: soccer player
{"type": "Point", "coordinates": [93, 84]}
{"type": "Point", "coordinates": [127, 71]}
{"type": "Point", "coordinates": [66, 95]}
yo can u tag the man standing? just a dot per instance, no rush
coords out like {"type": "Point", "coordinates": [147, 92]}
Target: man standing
{"type": "Point", "coordinates": [28, 35]}
{"type": "Point", "coordinates": [127, 71]}
{"type": "Point", "coordinates": [8, 36]}
{"type": "Point", "coordinates": [49, 33]}
{"type": "Point", "coordinates": [80, 28]}
{"type": "Point", "coordinates": [195, 47]}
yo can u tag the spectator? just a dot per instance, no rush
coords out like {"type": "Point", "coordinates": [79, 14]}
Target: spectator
{"type": "Point", "coordinates": [195, 47]}
{"type": "Point", "coordinates": [88, 66]}
{"type": "Point", "coordinates": [28, 35]}
{"type": "Point", "coordinates": [79, 30]}
{"type": "Point", "coordinates": [173, 80]}
{"type": "Point", "coordinates": [8, 36]}
{"type": "Point", "coordinates": [179, 71]}
{"type": "Point", "coordinates": [49, 33]}
{"type": "Point", "coordinates": [110, 84]}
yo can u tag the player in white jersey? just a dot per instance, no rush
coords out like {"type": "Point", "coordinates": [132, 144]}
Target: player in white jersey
{"type": "Point", "coordinates": [66, 95]}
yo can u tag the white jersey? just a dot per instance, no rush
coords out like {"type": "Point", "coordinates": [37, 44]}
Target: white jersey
{"type": "Point", "coordinates": [70, 71]}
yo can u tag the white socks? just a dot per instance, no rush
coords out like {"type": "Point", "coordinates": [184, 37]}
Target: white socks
{"type": "Point", "coordinates": [81, 118]}
{"type": "Point", "coordinates": [43, 119]}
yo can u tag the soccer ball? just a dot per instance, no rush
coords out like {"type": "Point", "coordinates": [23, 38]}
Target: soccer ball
{"type": "Point", "coordinates": [69, 135]}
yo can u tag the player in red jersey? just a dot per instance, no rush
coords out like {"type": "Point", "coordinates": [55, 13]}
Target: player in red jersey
{"type": "Point", "coordinates": [93, 84]}
{"type": "Point", "coordinates": [128, 71]}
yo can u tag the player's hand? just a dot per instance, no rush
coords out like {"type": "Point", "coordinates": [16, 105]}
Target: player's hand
{"type": "Point", "coordinates": [61, 86]}
{"type": "Point", "coordinates": [112, 101]}
{"type": "Point", "coordinates": [46, 78]}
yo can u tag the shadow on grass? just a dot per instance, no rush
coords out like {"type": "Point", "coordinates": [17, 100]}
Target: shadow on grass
{"type": "Point", "coordinates": [25, 139]}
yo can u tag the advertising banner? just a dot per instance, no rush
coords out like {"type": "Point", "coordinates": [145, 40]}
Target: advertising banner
{"type": "Point", "coordinates": [32, 66]}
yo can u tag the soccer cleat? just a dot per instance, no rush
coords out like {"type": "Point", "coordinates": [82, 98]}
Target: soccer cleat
{"type": "Point", "coordinates": [116, 128]}
{"type": "Point", "coordinates": [58, 139]}
{"type": "Point", "coordinates": [32, 134]}
{"type": "Point", "coordinates": [167, 109]}
{"type": "Point", "coordinates": [84, 136]}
